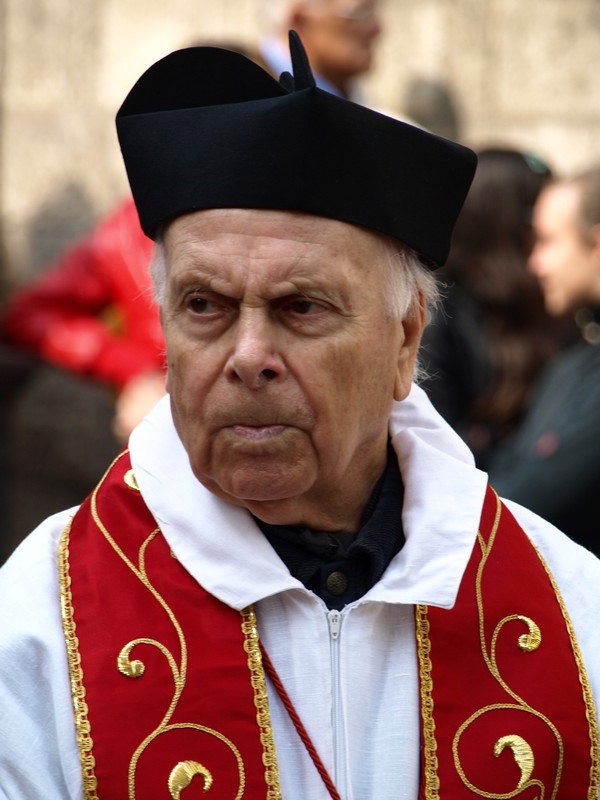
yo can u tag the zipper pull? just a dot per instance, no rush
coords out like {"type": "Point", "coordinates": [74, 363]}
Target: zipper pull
{"type": "Point", "coordinates": [334, 619]}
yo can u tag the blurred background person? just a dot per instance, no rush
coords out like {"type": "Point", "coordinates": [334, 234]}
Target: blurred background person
{"type": "Point", "coordinates": [491, 336]}
{"type": "Point", "coordinates": [553, 461]}
{"type": "Point", "coordinates": [92, 313]}
{"type": "Point", "coordinates": [339, 37]}
{"type": "Point", "coordinates": [431, 103]}
{"type": "Point", "coordinates": [14, 369]}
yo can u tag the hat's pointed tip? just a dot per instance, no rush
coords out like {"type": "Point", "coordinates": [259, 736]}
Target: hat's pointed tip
{"type": "Point", "coordinates": [303, 77]}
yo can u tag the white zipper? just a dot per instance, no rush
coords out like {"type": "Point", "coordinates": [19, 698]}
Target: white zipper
{"type": "Point", "coordinates": [334, 619]}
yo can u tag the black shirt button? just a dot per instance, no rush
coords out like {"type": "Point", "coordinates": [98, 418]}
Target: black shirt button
{"type": "Point", "coordinates": [336, 583]}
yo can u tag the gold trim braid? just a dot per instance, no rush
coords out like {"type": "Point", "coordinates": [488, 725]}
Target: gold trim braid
{"type": "Point", "coordinates": [134, 668]}
{"type": "Point", "coordinates": [261, 701]}
{"type": "Point", "coordinates": [590, 707]}
{"type": "Point", "coordinates": [85, 742]}
{"type": "Point", "coordinates": [432, 782]}
{"type": "Point", "coordinates": [528, 642]}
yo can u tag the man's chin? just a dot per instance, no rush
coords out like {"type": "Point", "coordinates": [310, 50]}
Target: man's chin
{"type": "Point", "coordinates": [268, 491]}
{"type": "Point", "coordinates": [253, 492]}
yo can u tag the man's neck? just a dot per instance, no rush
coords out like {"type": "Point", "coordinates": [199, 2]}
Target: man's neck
{"type": "Point", "coordinates": [340, 507]}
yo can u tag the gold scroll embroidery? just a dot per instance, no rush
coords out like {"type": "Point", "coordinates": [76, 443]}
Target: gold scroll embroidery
{"type": "Point", "coordinates": [527, 643]}
{"type": "Point", "coordinates": [520, 749]}
{"type": "Point", "coordinates": [182, 775]}
{"type": "Point", "coordinates": [590, 706]}
{"type": "Point", "coordinates": [130, 481]}
{"type": "Point", "coordinates": [523, 755]}
{"type": "Point", "coordinates": [135, 668]}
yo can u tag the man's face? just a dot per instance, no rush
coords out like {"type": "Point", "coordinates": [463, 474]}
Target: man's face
{"type": "Point", "coordinates": [283, 360]}
{"type": "Point", "coordinates": [566, 266]}
{"type": "Point", "coordinates": [339, 36]}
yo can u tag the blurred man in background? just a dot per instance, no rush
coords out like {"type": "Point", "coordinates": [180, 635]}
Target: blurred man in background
{"type": "Point", "coordinates": [339, 37]}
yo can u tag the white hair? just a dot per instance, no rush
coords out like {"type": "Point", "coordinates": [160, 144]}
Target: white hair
{"type": "Point", "coordinates": [158, 272]}
{"type": "Point", "coordinates": [410, 286]}
{"type": "Point", "coordinates": [409, 283]}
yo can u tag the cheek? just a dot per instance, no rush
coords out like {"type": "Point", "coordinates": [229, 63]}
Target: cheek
{"type": "Point", "coordinates": [572, 276]}
{"type": "Point", "coordinates": [175, 372]}
{"type": "Point", "coordinates": [357, 381]}
{"type": "Point", "coordinates": [188, 382]}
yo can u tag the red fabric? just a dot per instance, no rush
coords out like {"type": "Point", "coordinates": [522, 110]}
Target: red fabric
{"type": "Point", "coordinates": [547, 680]}
{"type": "Point", "coordinates": [92, 312]}
{"type": "Point", "coordinates": [112, 607]}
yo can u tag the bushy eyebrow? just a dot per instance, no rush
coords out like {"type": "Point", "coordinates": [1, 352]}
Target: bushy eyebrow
{"type": "Point", "coordinates": [207, 278]}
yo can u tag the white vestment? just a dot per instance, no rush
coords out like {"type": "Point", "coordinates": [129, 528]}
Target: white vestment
{"type": "Point", "coordinates": [353, 679]}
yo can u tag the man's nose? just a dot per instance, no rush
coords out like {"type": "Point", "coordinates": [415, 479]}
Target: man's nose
{"type": "Point", "coordinates": [255, 358]}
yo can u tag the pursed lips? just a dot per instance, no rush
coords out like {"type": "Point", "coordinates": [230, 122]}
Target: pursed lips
{"type": "Point", "coordinates": [257, 418]}
{"type": "Point", "coordinates": [257, 433]}
{"type": "Point", "coordinates": [260, 423]}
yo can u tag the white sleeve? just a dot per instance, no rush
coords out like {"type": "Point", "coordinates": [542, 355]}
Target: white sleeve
{"type": "Point", "coordinates": [39, 757]}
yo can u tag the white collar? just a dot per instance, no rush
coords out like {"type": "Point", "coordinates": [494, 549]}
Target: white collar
{"type": "Point", "coordinates": [225, 551]}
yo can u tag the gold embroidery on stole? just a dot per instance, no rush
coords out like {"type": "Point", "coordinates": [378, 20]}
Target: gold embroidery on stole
{"type": "Point", "coordinates": [252, 648]}
{"type": "Point", "coordinates": [432, 782]}
{"type": "Point", "coordinates": [135, 669]}
{"type": "Point", "coordinates": [85, 743]}
{"type": "Point", "coordinates": [527, 642]}
{"type": "Point", "coordinates": [590, 706]}
{"type": "Point", "coordinates": [182, 775]}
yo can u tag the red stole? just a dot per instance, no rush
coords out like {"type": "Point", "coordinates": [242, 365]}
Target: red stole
{"type": "Point", "coordinates": [506, 707]}
{"type": "Point", "coordinates": [169, 688]}
{"type": "Point", "coordinates": [167, 681]}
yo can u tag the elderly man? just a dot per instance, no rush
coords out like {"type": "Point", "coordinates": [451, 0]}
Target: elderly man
{"type": "Point", "coordinates": [552, 464]}
{"type": "Point", "coordinates": [338, 35]}
{"type": "Point", "coordinates": [294, 582]}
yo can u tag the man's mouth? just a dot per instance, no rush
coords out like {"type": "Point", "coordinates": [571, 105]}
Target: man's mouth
{"type": "Point", "coordinates": [258, 433]}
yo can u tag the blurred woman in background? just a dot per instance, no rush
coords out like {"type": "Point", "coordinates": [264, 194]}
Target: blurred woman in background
{"type": "Point", "coordinates": [488, 341]}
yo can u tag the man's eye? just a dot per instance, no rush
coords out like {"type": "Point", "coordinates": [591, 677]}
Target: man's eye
{"type": "Point", "coordinates": [201, 305]}
{"type": "Point", "coordinates": [304, 306]}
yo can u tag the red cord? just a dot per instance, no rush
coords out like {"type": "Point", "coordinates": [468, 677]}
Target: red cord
{"type": "Point", "coordinates": [301, 730]}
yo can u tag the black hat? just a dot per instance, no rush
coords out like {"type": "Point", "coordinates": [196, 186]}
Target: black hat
{"type": "Point", "coordinates": [206, 128]}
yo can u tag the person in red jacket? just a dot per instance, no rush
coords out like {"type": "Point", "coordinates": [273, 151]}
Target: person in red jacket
{"type": "Point", "coordinates": [93, 313]}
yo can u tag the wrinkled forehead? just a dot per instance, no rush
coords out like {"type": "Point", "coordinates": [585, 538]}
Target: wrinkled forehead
{"type": "Point", "coordinates": [259, 246]}
{"type": "Point", "coordinates": [257, 227]}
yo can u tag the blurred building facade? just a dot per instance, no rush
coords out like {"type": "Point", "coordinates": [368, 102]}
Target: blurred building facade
{"type": "Point", "coordinates": [522, 73]}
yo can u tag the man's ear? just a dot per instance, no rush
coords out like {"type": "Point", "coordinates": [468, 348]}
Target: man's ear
{"type": "Point", "coordinates": [413, 325]}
